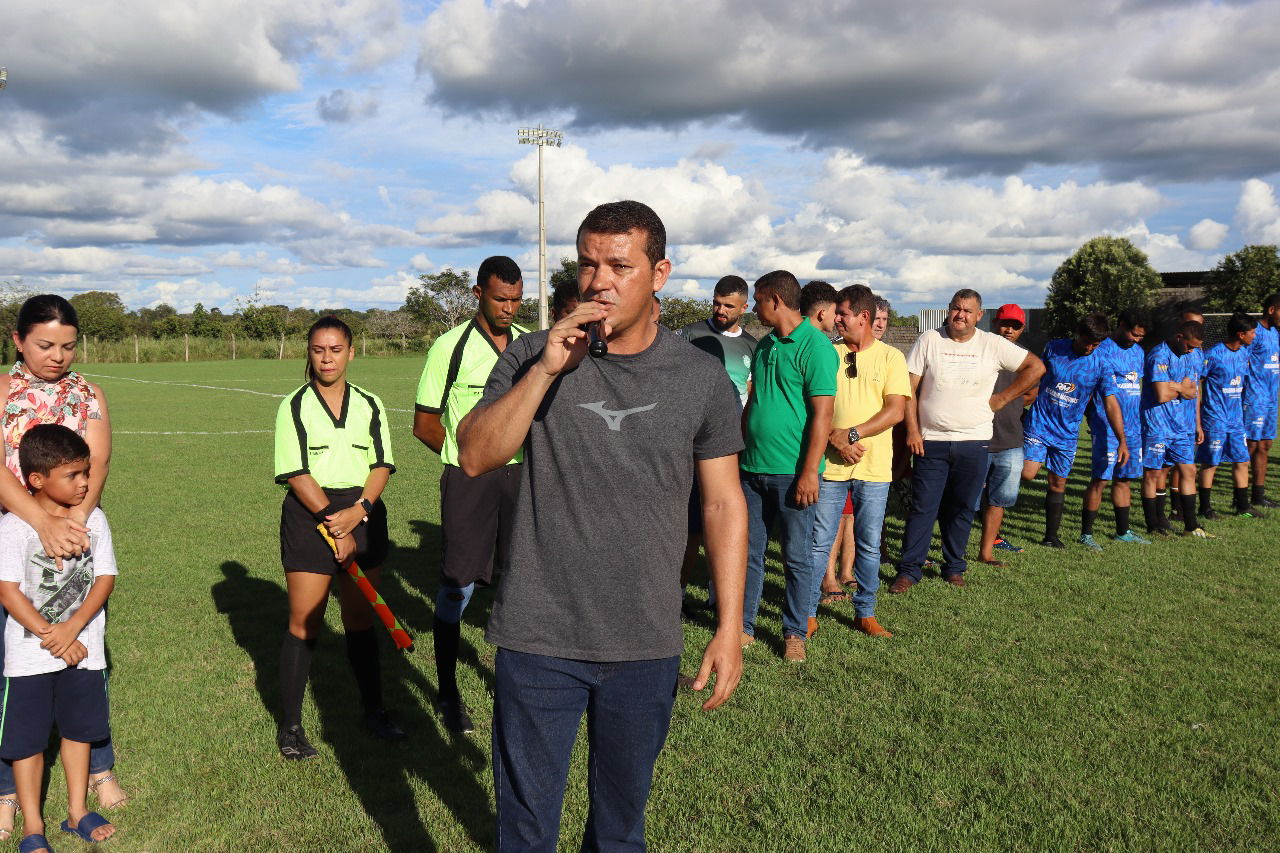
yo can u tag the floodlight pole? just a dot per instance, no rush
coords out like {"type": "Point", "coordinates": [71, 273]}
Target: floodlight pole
{"type": "Point", "coordinates": [541, 137]}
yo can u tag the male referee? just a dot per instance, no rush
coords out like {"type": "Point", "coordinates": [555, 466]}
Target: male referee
{"type": "Point", "coordinates": [475, 512]}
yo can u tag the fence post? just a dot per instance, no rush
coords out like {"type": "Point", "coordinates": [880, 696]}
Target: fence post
{"type": "Point", "coordinates": [281, 356]}
{"type": "Point", "coordinates": [186, 347]}
{"type": "Point", "coordinates": [364, 344]}
{"type": "Point", "coordinates": [135, 349]}
{"type": "Point", "coordinates": [233, 346]}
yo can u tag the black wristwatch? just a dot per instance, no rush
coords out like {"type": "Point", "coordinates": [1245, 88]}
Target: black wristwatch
{"type": "Point", "coordinates": [854, 435]}
{"type": "Point", "coordinates": [368, 507]}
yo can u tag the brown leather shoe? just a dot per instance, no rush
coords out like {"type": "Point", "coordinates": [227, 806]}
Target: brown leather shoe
{"type": "Point", "coordinates": [869, 626]}
{"type": "Point", "coordinates": [901, 584]}
{"type": "Point", "coordinates": [813, 628]}
{"type": "Point", "coordinates": [747, 639]}
{"type": "Point", "coordinates": [954, 580]}
{"type": "Point", "coordinates": [794, 650]}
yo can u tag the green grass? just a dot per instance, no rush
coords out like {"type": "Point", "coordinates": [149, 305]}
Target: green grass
{"type": "Point", "coordinates": [1069, 702]}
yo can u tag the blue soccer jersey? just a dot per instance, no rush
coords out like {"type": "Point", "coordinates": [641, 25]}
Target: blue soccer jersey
{"type": "Point", "coordinates": [1263, 385]}
{"type": "Point", "coordinates": [1069, 381]}
{"type": "Point", "coordinates": [1125, 367]}
{"type": "Point", "coordinates": [1221, 409]}
{"type": "Point", "coordinates": [1195, 363]}
{"type": "Point", "coordinates": [1161, 365]}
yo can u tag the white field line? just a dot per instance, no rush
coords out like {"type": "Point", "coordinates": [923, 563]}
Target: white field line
{"type": "Point", "coordinates": [207, 388]}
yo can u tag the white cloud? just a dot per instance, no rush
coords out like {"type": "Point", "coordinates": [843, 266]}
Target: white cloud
{"type": "Point", "coordinates": [1207, 235]}
{"type": "Point", "coordinates": [1257, 214]}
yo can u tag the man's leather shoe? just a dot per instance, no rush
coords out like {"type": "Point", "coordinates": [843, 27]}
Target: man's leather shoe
{"type": "Point", "coordinates": [812, 628]}
{"type": "Point", "coordinates": [954, 580]}
{"type": "Point", "coordinates": [901, 584]}
{"type": "Point", "coordinates": [869, 626]}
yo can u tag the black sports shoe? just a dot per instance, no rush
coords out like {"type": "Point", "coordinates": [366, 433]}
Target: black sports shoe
{"type": "Point", "coordinates": [1251, 512]}
{"type": "Point", "coordinates": [1265, 503]}
{"type": "Point", "coordinates": [453, 713]}
{"type": "Point", "coordinates": [1210, 514]}
{"type": "Point", "coordinates": [294, 745]}
{"type": "Point", "coordinates": [381, 726]}
{"type": "Point", "coordinates": [1055, 542]}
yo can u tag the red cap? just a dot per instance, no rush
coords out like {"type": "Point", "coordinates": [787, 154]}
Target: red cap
{"type": "Point", "coordinates": [1011, 312]}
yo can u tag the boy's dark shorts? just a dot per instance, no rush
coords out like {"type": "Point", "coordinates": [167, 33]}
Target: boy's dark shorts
{"type": "Point", "coordinates": [303, 549]}
{"type": "Point", "coordinates": [695, 509]}
{"type": "Point", "coordinates": [476, 515]}
{"type": "Point", "coordinates": [75, 699]}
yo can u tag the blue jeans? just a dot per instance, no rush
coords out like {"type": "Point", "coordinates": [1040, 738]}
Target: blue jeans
{"type": "Point", "coordinates": [101, 756]}
{"type": "Point", "coordinates": [538, 705]}
{"type": "Point", "coordinates": [1003, 478]}
{"type": "Point", "coordinates": [771, 498]}
{"type": "Point", "coordinates": [869, 502]}
{"type": "Point", "coordinates": [945, 484]}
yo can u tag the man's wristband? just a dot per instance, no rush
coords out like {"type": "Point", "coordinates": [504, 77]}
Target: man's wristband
{"type": "Point", "coordinates": [329, 510]}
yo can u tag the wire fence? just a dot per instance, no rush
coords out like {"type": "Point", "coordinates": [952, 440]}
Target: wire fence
{"type": "Point", "coordinates": [141, 350]}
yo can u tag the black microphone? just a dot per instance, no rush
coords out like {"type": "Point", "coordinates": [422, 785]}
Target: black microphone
{"type": "Point", "coordinates": [598, 346]}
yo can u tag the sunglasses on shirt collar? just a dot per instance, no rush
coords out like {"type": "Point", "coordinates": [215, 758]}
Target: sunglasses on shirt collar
{"type": "Point", "coordinates": [851, 359]}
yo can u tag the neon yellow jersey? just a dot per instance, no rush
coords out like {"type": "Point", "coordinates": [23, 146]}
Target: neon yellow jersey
{"type": "Point", "coordinates": [458, 366]}
{"type": "Point", "coordinates": [337, 452]}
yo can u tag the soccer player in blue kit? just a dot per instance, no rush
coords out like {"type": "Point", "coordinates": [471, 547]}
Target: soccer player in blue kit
{"type": "Point", "coordinates": [1073, 372]}
{"type": "Point", "coordinates": [1172, 373]}
{"type": "Point", "coordinates": [1123, 356]}
{"type": "Point", "coordinates": [1261, 396]}
{"type": "Point", "coordinates": [1222, 416]}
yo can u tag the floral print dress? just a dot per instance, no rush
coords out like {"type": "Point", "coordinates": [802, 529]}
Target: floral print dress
{"type": "Point", "coordinates": [70, 401]}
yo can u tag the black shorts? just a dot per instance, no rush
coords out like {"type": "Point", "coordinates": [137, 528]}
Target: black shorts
{"type": "Point", "coordinates": [695, 508]}
{"type": "Point", "coordinates": [303, 549]}
{"type": "Point", "coordinates": [75, 699]}
{"type": "Point", "coordinates": [475, 518]}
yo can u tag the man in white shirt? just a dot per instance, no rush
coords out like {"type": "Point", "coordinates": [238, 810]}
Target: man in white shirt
{"type": "Point", "coordinates": [949, 413]}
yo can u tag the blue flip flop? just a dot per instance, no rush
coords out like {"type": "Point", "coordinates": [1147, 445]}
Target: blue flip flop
{"type": "Point", "coordinates": [84, 829]}
{"type": "Point", "coordinates": [32, 843]}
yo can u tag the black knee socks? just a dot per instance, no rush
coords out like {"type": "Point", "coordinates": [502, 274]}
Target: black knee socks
{"type": "Point", "coordinates": [1087, 518]}
{"type": "Point", "coordinates": [1161, 497]}
{"type": "Point", "coordinates": [1259, 494]}
{"type": "Point", "coordinates": [295, 666]}
{"type": "Point", "coordinates": [1206, 497]}
{"type": "Point", "coordinates": [447, 636]}
{"type": "Point", "coordinates": [1242, 498]}
{"type": "Point", "coordinates": [1189, 521]}
{"type": "Point", "coordinates": [362, 654]}
{"type": "Point", "coordinates": [1122, 519]}
{"type": "Point", "coordinates": [1053, 502]}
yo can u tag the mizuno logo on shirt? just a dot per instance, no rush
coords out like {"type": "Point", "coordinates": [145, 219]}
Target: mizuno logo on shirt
{"type": "Point", "coordinates": [614, 418]}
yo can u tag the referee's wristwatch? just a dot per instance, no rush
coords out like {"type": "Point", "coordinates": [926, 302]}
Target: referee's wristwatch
{"type": "Point", "coordinates": [366, 506]}
{"type": "Point", "coordinates": [854, 435]}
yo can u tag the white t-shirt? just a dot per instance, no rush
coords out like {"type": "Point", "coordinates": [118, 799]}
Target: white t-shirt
{"type": "Point", "coordinates": [56, 594]}
{"type": "Point", "coordinates": [956, 382]}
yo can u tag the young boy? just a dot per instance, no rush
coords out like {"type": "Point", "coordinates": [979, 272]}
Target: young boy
{"type": "Point", "coordinates": [54, 657]}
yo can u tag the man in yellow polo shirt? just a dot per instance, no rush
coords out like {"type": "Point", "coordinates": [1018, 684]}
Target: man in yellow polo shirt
{"type": "Point", "coordinates": [872, 388]}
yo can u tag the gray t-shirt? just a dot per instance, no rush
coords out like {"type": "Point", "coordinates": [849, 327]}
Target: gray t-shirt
{"type": "Point", "coordinates": [1006, 427]}
{"type": "Point", "coordinates": [599, 532]}
{"type": "Point", "coordinates": [56, 593]}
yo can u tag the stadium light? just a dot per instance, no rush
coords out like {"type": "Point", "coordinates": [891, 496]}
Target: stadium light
{"type": "Point", "coordinates": [4, 77]}
{"type": "Point", "coordinates": [541, 137]}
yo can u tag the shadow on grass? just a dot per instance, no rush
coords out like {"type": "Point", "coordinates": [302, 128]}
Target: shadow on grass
{"type": "Point", "coordinates": [379, 773]}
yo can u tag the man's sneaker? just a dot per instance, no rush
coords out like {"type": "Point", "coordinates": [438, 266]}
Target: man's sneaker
{"type": "Point", "coordinates": [1002, 544]}
{"type": "Point", "coordinates": [1052, 542]}
{"type": "Point", "coordinates": [380, 725]}
{"type": "Point", "coordinates": [929, 564]}
{"type": "Point", "coordinates": [1251, 512]}
{"type": "Point", "coordinates": [454, 716]}
{"type": "Point", "coordinates": [1210, 514]}
{"type": "Point", "coordinates": [1132, 538]}
{"type": "Point", "coordinates": [794, 650]}
{"type": "Point", "coordinates": [1199, 533]}
{"type": "Point", "coordinates": [294, 745]}
{"type": "Point", "coordinates": [1087, 540]}
{"type": "Point", "coordinates": [1265, 503]}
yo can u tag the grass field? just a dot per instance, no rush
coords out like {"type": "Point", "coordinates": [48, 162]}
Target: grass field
{"type": "Point", "coordinates": [1069, 702]}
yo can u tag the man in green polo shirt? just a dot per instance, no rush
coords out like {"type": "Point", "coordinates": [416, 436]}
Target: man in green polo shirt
{"type": "Point", "coordinates": [475, 512]}
{"type": "Point", "coordinates": [785, 426]}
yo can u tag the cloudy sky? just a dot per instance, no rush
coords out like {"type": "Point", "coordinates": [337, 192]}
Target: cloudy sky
{"type": "Point", "coordinates": [320, 153]}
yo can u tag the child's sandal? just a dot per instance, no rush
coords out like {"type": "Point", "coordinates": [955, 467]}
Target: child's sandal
{"type": "Point", "coordinates": [7, 832]}
{"type": "Point", "coordinates": [34, 842]}
{"type": "Point", "coordinates": [93, 792]}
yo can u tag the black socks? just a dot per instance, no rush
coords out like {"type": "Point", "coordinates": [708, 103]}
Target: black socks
{"type": "Point", "coordinates": [1259, 494]}
{"type": "Point", "coordinates": [1205, 497]}
{"type": "Point", "coordinates": [1053, 502]}
{"type": "Point", "coordinates": [1122, 520]}
{"type": "Point", "coordinates": [447, 636]}
{"type": "Point", "coordinates": [1189, 522]}
{"type": "Point", "coordinates": [1160, 504]}
{"type": "Point", "coordinates": [1087, 518]}
{"type": "Point", "coordinates": [295, 665]}
{"type": "Point", "coordinates": [362, 654]}
{"type": "Point", "coordinates": [1242, 498]}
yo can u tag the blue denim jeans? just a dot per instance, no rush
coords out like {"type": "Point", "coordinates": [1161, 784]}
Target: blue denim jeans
{"type": "Point", "coordinates": [101, 756]}
{"type": "Point", "coordinates": [1003, 479]}
{"type": "Point", "coordinates": [770, 499]}
{"type": "Point", "coordinates": [538, 705]}
{"type": "Point", "coordinates": [945, 484]}
{"type": "Point", "coordinates": [869, 502]}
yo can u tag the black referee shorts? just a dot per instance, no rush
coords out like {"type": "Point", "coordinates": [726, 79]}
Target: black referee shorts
{"type": "Point", "coordinates": [475, 517]}
{"type": "Point", "coordinates": [303, 549]}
